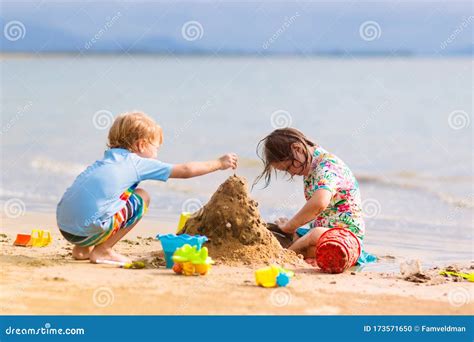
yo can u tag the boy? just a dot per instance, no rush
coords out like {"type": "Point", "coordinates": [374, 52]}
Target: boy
{"type": "Point", "coordinates": [104, 203]}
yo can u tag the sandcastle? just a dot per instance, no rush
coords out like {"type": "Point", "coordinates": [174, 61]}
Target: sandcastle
{"type": "Point", "coordinates": [237, 234]}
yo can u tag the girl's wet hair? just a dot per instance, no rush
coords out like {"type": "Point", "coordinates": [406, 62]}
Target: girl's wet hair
{"type": "Point", "coordinates": [277, 147]}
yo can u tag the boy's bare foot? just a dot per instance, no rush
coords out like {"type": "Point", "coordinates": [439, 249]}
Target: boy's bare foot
{"type": "Point", "coordinates": [102, 253]}
{"type": "Point", "coordinates": [81, 253]}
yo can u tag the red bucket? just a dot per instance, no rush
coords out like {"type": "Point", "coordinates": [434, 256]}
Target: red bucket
{"type": "Point", "coordinates": [336, 250]}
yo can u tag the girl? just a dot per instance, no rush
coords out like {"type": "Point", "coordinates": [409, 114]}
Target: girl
{"type": "Point", "coordinates": [331, 190]}
{"type": "Point", "coordinates": [104, 203]}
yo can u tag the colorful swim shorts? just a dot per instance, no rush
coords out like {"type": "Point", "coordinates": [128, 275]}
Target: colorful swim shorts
{"type": "Point", "coordinates": [133, 211]}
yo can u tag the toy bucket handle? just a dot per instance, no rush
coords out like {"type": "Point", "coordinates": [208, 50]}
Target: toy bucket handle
{"type": "Point", "coordinates": [37, 233]}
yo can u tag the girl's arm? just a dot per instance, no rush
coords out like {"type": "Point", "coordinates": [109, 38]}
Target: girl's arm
{"type": "Point", "coordinates": [316, 204]}
{"type": "Point", "coordinates": [194, 169]}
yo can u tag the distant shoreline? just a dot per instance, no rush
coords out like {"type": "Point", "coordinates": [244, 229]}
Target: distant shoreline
{"type": "Point", "coordinates": [348, 55]}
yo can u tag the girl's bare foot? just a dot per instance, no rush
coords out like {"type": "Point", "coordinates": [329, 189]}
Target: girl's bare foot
{"type": "Point", "coordinates": [311, 261]}
{"type": "Point", "coordinates": [81, 253]}
{"type": "Point", "coordinates": [103, 253]}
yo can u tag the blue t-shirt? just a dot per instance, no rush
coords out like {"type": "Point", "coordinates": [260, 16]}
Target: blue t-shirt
{"type": "Point", "coordinates": [94, 197]}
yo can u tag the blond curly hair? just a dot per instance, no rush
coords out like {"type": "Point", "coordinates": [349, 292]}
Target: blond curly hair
{"type": "Point", "coordinates": [129, 128]}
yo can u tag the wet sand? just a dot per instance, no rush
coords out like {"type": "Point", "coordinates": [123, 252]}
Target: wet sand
{"type": "Point", "coordinates": [48, 281]}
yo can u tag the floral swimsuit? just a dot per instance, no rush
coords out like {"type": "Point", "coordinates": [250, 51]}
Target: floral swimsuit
{"type": "Point", "coordinates": [345, 210]}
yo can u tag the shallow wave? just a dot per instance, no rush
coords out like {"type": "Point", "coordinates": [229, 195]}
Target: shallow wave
{"type": "Point", "coordinates": [403, 182]}
{"type": "Point", "coordinates": [7, 194]}
{"type": "Point", "coordinates": [413, 176]}
{"type": "Point", "coordinates": [58, 167]}
{"type": "Point", "coordinates": [416, 221]}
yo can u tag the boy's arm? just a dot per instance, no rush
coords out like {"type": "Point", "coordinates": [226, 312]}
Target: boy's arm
{"type": "Point", "coordinates": [194, 169]}
{"type": "Point", "coordinates": [316, 204]}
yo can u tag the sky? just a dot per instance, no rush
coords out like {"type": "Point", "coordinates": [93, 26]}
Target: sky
{"type": "Point", "coordinates": [218, 27]}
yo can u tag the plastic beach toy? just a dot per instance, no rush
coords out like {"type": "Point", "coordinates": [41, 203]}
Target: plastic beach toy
{"type": "Point", "coordinates": [38, 238]}
{"type": "Point", "coordinates": [467, 276]}
{"type": "Point", "coordinates": [273, 276]}
{"type": "Point", "coordinates": [134, 265]}
{"type": "Point", "coordinates": [336, 250]}
{"type": "Point", "coordinates": [188, 260]}
{"type": "Point", "coordinates": [185, 215]}
{"type": "Point", "coordinates": [171, 242]}
{"type": "Point", "coordinates": [22, 240]}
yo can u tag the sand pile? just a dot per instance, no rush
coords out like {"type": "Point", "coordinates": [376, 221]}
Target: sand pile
{"type": "Point", "coordinates": [237, 234]}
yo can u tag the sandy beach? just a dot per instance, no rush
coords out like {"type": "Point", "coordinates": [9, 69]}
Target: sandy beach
{"type": "Point", "coordinates": [237, 171]}
{"type": "Point", "coordinates": [48, 281]}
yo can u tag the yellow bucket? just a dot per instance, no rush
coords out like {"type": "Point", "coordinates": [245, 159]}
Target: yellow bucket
{"type": "Point", "coordinates": [40, 238]}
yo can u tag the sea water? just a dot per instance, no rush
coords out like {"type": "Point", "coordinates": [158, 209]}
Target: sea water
{"type": "Point", "coordinates": [403, 125]}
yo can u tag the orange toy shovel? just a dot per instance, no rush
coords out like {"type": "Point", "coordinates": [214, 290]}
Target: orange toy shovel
{"type": "Point", "coordinates": [22, 240]}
